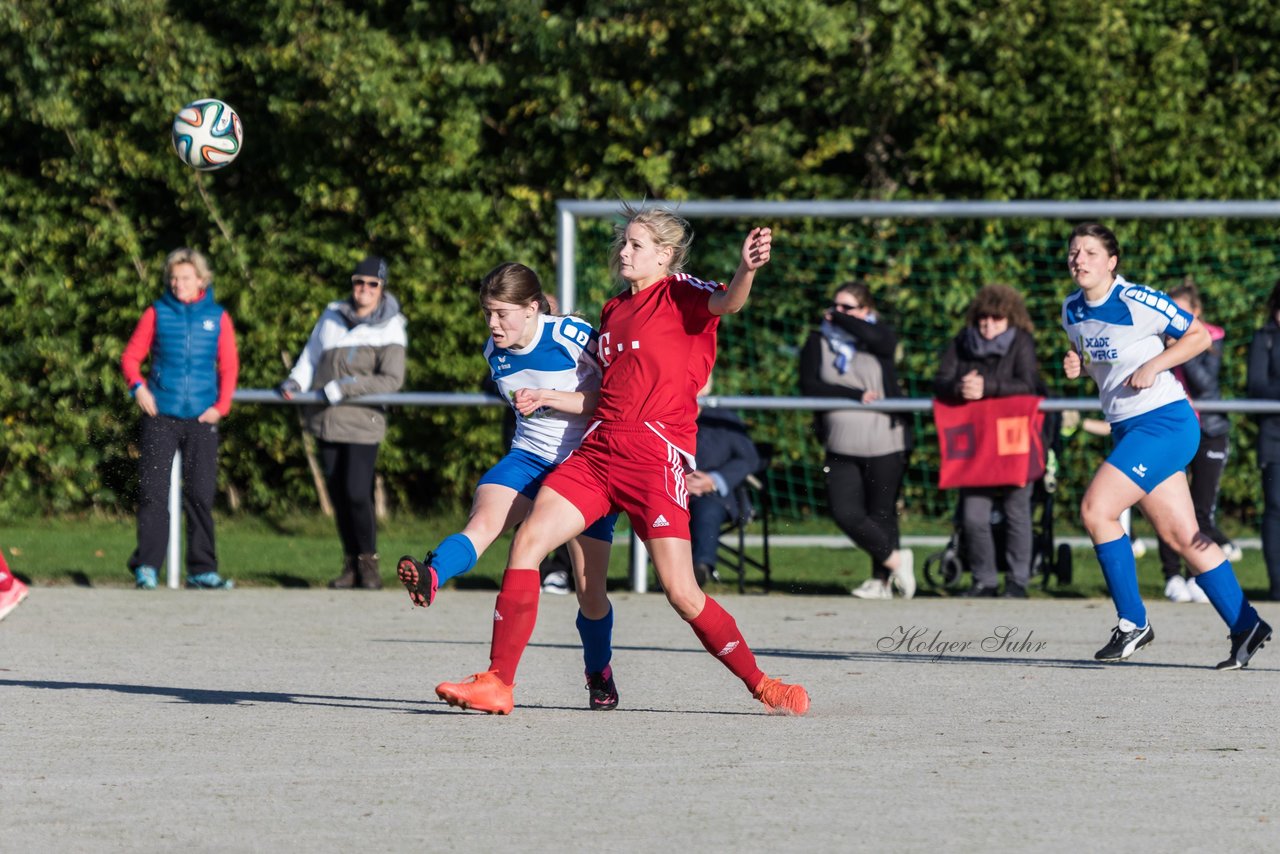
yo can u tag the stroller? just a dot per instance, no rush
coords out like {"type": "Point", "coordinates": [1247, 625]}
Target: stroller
{"type": "Point", "coordinates": [944, 570]}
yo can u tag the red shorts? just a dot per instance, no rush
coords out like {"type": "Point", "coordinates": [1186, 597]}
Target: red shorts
{"type": "Point", "coordinates": [631, 469]}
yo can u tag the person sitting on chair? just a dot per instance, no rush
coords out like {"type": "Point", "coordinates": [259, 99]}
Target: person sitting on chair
{"type": "Point", "coordinates": [725, 456]}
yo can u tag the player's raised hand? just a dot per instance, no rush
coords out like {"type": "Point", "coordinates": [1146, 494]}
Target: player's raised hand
{"type": "Point", "coordinates": [1071, 364]}
{"type": "Point", "coordinates": [756, 248]}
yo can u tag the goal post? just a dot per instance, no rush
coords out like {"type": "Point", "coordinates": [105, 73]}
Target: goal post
{"type": "Point", "coordinates": [923, 261]}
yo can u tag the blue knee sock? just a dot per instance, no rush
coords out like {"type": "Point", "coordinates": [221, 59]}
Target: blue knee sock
{"type": "Point", "coordinates": [454, 556]}
{"type": "Point", "coordinates": [1223, 590]}
{"type": "Point", "coordinates": [1121, 572]}
{"type": "Point", "coordinates": [597, 639]}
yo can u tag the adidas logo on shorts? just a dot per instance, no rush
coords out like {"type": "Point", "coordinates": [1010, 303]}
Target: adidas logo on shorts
{"type": "Point", "coordinates": [497, 618]}
{"type": "Point", "coordinates": [661, 522]}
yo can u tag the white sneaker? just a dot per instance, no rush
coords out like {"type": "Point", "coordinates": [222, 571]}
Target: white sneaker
{"type": "Point", "coordinates": [1175, 589]}
{"type": "Point", "coordinates": [873, 588]}
{"type": "Point", "coordinates": [557, 582]}
{"type": "Point", "coordinates": [1233, 552]}
{"type": "Point", "coordinates": [904, 577]}
{"type": "Point", "coordinates": [1197, 595]}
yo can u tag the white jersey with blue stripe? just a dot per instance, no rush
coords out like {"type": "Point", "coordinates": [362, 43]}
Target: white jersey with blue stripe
{"type": "Point", "coordinates": [1119, 334]}
{"type": "Point", "coordinates": [561, 357]}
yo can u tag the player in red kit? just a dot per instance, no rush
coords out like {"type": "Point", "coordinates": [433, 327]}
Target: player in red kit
{"type": "Point", "coordinates": [657, 347]}
{"type": "Point", "coordinates": [12, 591]}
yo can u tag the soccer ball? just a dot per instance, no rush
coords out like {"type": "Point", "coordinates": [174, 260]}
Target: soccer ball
{"type": "Point", "coordinates": [207, 134]}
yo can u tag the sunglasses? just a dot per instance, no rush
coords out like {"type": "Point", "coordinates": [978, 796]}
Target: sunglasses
{"type": "Point", "coordinates": [372, 284]}
{"type": "Point", "coordinates": [990, 316]}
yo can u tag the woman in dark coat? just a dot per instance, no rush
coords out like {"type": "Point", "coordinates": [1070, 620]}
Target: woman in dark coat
{"type": "Point", "coordinates": [1264, 384]}
{"type": "Point", "coordinates": [993, 356]}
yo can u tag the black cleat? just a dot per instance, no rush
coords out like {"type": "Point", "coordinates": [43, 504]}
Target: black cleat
{"type": "Point", "coordinates": [1245, 644]}
{"type": "Point", "coordinates": [604, 694]}
{"type": "Point", "coordinates": [1125, 643]}
{"type": "Point", "coordinates": [419, 578]}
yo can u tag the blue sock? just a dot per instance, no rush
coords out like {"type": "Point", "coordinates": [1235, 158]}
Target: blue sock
{"type": "Point", "coordinates": [454, 556]}
{"type": "Point", "coordinates": [1121, 572]}
{"type": "Point", "coordinates": [597, 639]}
{"type": "Point", "coordinates": [1223, 589]}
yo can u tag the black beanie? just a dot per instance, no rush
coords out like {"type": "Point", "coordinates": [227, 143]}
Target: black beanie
{"type": "Point", "coordinates": [372, 266]}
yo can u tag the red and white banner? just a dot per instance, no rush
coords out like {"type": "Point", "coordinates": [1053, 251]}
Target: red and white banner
{"type": "Point", "coordinates": [996, 441]}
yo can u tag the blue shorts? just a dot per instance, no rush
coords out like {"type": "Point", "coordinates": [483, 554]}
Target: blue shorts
{"type": "Point", "coordinates": [524, 472]}
{"type": "Point", "coordinates": [1150, 447]}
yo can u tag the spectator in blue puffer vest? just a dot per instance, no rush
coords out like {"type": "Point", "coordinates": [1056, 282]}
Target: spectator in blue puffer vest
{"type": "Point", "coordinates": [191, 343]}
{"type": "Point", "coordinates": [356, 348]}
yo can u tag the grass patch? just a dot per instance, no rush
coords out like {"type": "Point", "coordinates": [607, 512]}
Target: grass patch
{"type": "Point", "coordinates": [303, 552]}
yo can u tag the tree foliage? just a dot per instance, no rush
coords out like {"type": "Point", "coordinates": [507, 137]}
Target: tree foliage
{"type": "Point", "coordinates": [441, 134]}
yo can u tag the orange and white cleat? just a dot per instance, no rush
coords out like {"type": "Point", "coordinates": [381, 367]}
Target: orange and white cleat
{"type": "Point", "coordinates": [482, 692]}
{"type": "Point", "coordinates": [780, 698]}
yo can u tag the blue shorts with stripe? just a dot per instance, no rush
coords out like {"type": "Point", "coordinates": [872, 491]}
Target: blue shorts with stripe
{"type": "Point", "coordinates": [524, 472]}
{"type": "Point", "coordinates": [1151, 447]}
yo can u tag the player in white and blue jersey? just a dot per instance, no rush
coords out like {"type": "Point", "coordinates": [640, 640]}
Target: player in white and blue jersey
{"type": "Point", "coordinates": [1118, 333]}
{"type": "Point", "coordinates": [545, 366]}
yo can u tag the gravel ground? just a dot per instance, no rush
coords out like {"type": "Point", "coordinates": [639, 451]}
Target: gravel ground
{"type": "Point", "coordinates": [305, 720]}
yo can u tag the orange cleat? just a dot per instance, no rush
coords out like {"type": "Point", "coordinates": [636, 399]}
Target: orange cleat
{"type": "Point", "coordinates": [781, 698]}
{"type": "Point", "coordinates": [419, 578]}
{"type": "Point", "coordinates": [485, 692]}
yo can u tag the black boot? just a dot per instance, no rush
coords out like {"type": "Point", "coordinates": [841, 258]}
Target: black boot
{"type": "Point", "coordinates": [347, 579]}
{"type": "Point", "coordinates": [367, 567]}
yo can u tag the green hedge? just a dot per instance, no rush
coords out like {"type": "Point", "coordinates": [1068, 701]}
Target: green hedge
{"type": "Point", "coordinates": [441, 134]}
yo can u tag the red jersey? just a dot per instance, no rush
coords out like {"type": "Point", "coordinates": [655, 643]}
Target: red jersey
{"type": "Point", "coordinates": [657, 348]}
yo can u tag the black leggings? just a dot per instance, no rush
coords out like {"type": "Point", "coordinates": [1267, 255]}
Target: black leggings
{"type": "Point", "coordinates": [862, 493]}
{"type": "Point", "coordinates": [348, 472]}
{"type": "Point", "coordinates": [1204, 474]}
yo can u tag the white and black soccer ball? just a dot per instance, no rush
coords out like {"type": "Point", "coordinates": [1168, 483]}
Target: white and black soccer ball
{"type": "Point", "coordinates": [207, 134]}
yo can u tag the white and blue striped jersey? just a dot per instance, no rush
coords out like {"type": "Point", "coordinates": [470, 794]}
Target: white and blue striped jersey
{"type": "Point", "coordinates": [1119, 334]}
{"type": "Point", "coordinates": [561, 357]}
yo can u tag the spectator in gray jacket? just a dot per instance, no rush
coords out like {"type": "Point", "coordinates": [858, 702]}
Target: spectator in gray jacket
{"type": "Point", "coordinates": [356, 348]}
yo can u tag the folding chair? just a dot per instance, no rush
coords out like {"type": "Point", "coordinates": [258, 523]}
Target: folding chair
{"type": "Point", "coordinates": [751, 492]}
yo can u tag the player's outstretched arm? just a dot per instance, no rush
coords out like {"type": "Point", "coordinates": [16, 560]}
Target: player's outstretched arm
{"type": "Point", "coordinates": [755, 254]}
{"type": "Point", "coordinates": [530, 400]}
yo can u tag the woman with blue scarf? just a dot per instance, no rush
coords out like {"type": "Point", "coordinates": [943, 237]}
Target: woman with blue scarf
{"type": "Point", "coordinates": [851, 356]}
{"type": "Point", "coordinates": [994, 355]}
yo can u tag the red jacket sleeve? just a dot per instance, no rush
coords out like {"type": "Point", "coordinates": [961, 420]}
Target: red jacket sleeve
{"type": "Point", "coordinates": [138, 348]}
{"type": "Point", "coordinates": [228, 365]}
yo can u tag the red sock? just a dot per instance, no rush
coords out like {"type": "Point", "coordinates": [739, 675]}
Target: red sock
{"type": "Point", "coordinates": [6, 577]}
{"type": "Point", "coordinates": [719, 634]}
{"type": "Point", "coordinates": [514, 615]}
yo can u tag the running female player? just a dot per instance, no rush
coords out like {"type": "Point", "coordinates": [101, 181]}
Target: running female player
{"type": "Point", "coordinates": [546, 367]}
{"type": "Point", "coordinates": [1117, 332]}
{"type": "Point", "coordinates": [657, 345]}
